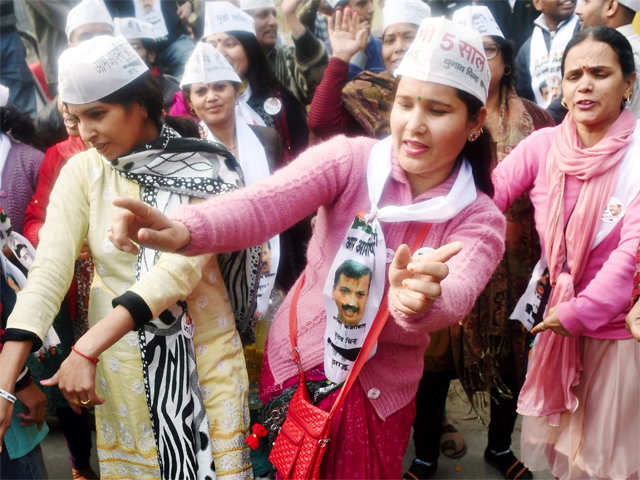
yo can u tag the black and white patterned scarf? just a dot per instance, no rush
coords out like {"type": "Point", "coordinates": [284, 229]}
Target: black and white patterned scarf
{"type": "Point", "coordinates": [171, 170]}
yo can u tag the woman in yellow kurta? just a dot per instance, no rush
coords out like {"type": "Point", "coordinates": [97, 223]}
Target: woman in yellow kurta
{"type": "Point", "coordinates": [171, 396]}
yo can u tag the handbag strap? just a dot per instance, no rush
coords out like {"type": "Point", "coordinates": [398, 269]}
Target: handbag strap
{"type": "Point", "coordinates": [372, 337]}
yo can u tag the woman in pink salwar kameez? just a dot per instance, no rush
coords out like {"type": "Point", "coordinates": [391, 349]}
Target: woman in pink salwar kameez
{"type": "Point", "coordinates": [581, 395]}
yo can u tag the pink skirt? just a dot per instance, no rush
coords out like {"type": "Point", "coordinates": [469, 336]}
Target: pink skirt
{"type": "Point", "coordinates": [362, 446]}
{"type": "Point", "coordinates": [601, 439]}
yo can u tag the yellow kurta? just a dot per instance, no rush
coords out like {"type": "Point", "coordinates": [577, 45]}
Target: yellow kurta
{"type": "Point", "coordinates": [80, 207]}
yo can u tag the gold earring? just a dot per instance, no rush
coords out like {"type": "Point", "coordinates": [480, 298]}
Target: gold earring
{"type": "Point", "coordinates": [564, 104]}
{"type": "Point", "coordinates": [627, 97]}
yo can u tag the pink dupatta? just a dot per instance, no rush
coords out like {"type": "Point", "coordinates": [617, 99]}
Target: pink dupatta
{"type": "Point", "coordinates": [556, 362]}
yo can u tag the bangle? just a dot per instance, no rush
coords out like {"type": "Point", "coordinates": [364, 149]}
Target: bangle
{"type": "Point", "coordinates": [7, 396]}
{"type": "Point", "coordinates": [93, 360]}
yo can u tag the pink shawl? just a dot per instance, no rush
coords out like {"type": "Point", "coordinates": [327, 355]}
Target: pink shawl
{"type": "Point", "coordinates": [556, 362]}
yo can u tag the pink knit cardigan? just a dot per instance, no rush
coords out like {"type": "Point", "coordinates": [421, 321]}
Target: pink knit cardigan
{"type": "Point", "coordinates": [330, 178]}
{"type": "Point", "coordinates": [603, 294]}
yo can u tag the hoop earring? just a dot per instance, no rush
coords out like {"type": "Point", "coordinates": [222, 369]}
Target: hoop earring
{"type": "Point", "coordinates": [564, 104]}
{"type": "Point", "coordinates": [507, 70]}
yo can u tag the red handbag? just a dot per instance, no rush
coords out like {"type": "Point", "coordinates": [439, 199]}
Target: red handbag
{"type": "Point", "coordinates": [302, 441]}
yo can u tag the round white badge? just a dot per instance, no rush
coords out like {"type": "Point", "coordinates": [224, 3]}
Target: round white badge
{"type": "Point", "coordinates": [272, 105]}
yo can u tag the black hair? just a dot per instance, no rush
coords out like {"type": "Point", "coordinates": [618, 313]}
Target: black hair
{"type": "Point", "coordinates": [507, 82]}
{"type": "Point", "coordinates": [478, 152]}
{"type": "Point", "coordinates": [260, 77]}
{"type": "Point", "coordinates": [49, 125]}
{"type": "Point", "coordinates": [351, 269]}
{"type": "Point", "coordinates": [618, 43]}
{"type": "Point", "coordinates": [146, 91]}
{"type": "Point", "coordinates": [17, 124]}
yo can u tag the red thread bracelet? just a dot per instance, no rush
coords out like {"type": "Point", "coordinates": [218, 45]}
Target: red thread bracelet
{"type": "Point", "coordinates": [93, 360]}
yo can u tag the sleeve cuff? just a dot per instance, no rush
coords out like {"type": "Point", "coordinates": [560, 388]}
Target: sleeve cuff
{"type": "Point", "coordinates": [24, 379]}
{"type": "Point", "coordinates": [569, 319]}
{"type": "Point", "coordinates": [307, 46]}
{"type": "Point", "coordinates": [137, 307]}
{"type": "Point", "coordinates": [19, 335]}
{"type": "Point", "coordinates": [198, 230]}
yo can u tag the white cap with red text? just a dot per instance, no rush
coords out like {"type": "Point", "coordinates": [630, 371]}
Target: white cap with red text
{"type": "Point", "coordinates": [86, 12]}
{"type": "Point", "coordinates": [444, 53]}
{"type": "Point", "coordinates": [96, 68]}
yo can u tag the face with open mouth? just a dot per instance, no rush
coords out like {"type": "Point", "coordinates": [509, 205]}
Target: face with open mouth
{"type": "Point", "coordinates": [593, 85]}
{"type": "Point", "coordinates": [266, 26]}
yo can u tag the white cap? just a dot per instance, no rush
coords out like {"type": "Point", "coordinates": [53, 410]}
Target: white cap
{"type": "Point", "coordinates": [255, 4]}
{"type": "Point", "coordinates": [444, 53]}
{"type": "Point", "coordinates": [221, 17]}
{"type": "Point", "coordinates": [131, 27]}
{"type": "Point", "coordinates": [87, 11]}
{"type": "Point", "coordinates": [206, 65]}
{"type": "Point", "coordinates": [404, 11]}
{"type": "Point", "coordinates": [95, 68]}
{"type": "Point", "coordinates": [630, 4]}
{"type": "Point", "coordinates": [479, 19]}
{"type": "Point", "coordinates": [4, 95]}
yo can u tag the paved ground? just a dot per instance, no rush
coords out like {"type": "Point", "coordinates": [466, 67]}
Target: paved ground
{"type": "Point", "coordinates": [471, 466]}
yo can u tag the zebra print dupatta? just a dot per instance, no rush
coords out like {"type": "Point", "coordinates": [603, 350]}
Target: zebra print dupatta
{"type": "Point", "coordinates": [170, 171]}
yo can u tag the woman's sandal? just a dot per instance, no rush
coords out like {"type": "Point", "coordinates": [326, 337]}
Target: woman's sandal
{"type": "Point", "coordinates": [452, 443]}
{"type": "Point", "coordinates": [509, 465]}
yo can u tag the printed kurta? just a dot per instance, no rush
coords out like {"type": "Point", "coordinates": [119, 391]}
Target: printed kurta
{"type": "Point", "coordinates": [81, 206]}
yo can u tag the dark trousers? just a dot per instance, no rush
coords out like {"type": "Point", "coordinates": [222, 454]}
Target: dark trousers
{"type": "Point", "coordinates": [77, 433]}
{"type": "Point", "coordinates": [430, 406]}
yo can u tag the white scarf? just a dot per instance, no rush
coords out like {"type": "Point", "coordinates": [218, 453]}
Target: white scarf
{"type": "Point", "coordinates": [544, 63]}
{"type": "Point", "coordinates": [362, 256]}
{"type": "Point", "coordinates": [243, 110]}
{"type": "Point", "coordinates": [255, 166]}
{"type": "Point", "coordinates": [527, 310]}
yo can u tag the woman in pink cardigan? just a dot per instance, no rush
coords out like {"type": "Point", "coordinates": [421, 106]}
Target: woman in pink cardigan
{"type": "Point", "coordinates": [580, 398]}
{"type": "Point", "coordinates": [436, 163]}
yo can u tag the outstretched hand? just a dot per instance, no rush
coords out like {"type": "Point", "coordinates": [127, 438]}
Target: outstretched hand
{"type": "Point", "coordinates": [76, 379]}
{"type": "Point", "coordinates": [551, 322]}
{"type": "Point", "coordinates": [415, 280]}
{"type": "Point", "coordinates": [139, 223]}
{"type": "Point", "coordinates": [347, 34]}
{"type": "Point", "coordinates": [633, 321]}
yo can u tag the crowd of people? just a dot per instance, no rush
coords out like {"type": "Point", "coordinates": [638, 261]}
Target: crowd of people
{"type": "Point", "coordinates": [403, 192]}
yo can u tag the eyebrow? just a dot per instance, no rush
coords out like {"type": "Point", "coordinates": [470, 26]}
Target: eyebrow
{"type": "Point", "coordinates": [592, 69]}
{"type": "Point", "coordinates": [89, 110]}
{"type": "Point", "coordinates": [430, 100]}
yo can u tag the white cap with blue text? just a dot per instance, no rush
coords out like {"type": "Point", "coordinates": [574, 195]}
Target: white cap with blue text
{"type": "Point", "coordinates": [255, 4]}
{"type": "Point", "coordinates": [96, 68]}
{"type": "Point", "coordinates": [206, 65]}
{"type": "Point", "coordinates": [479, 19]}
{"type": "Point", "coordinates": [86, 12]}
{"type": "Point", "coordinates": [444, 53]}
{"type": "Point", "coordinates": [404, 11]}
{"type": "Point", "coordinates": [222, 17]}
{"type": "Point", "coordinates": [131, 27]}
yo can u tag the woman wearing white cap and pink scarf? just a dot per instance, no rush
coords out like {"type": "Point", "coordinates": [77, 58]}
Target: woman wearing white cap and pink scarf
{"type": "Point", "coordinates": [430, 177]}
{"type": "Point", "coordinates": [580, 397]}
{"type": "Point", "coordinates": [171, 396]}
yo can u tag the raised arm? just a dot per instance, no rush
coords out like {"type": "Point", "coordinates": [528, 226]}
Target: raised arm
{"type": "Point", "coordinates": [247, 217]}
{"type": "Point", "coordinates": [517, 173]}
